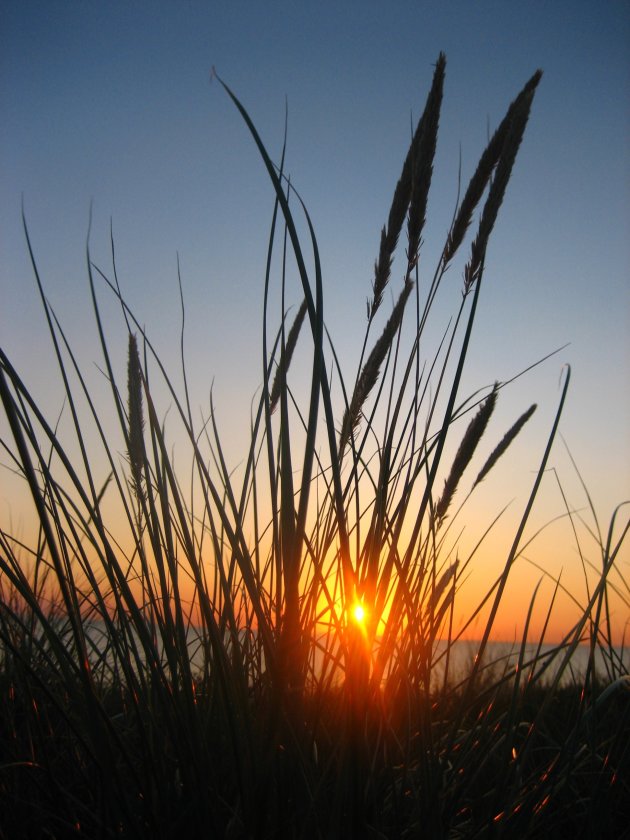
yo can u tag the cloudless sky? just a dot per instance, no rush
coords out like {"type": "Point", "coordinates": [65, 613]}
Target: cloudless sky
{"type": "Point", "coordinates": [111, 105]}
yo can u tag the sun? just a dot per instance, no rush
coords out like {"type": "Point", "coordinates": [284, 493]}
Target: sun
{"type": "Point", "coordinates": [358, 613]}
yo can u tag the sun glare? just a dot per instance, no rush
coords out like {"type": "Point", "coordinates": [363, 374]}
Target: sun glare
{"type": "Point", "coordinates": [358, 613]}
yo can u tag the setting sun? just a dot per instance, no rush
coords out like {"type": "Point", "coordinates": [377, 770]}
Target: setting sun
{"type": "Point", "coordinates": [358, 613]}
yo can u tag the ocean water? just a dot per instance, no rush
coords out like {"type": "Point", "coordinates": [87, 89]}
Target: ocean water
{"type": "Point", "coordinates": [546, 660]}
{"type": "Point", "coordinates": [499, 658]}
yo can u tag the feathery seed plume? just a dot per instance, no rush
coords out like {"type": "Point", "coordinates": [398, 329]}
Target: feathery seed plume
{"type": "Point", "coordinates": [467, 447]}
{"type": "Point", "coordinates": [400, 205]}
{"type": "Point", "coordinates": [483, 173]}
{"type": "Point", "coordinates": [422, 163]}
{"type": "Point", "coordinates": [371, 368]}
{"type": "Point", "coordinates": [497, 188]}
{"type": "Point", "coordinates": [440, 586]}
{"type": "Point", "coordinates": [504, 443]}
{"type": "Point", "coordinates": [136, 451]}
{"type": "Point", "coordinates": [286, 355]}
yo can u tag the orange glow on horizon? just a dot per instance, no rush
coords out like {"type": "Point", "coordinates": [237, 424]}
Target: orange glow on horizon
{"type": "Point", "coordinates": [548, 567]}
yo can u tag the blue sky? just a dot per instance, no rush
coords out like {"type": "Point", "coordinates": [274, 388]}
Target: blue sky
{"type": "Point", "coordinates": [111, 104]}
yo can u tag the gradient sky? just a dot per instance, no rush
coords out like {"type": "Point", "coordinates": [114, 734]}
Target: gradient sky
{"type": "Point", "coordinates": [111, 104]}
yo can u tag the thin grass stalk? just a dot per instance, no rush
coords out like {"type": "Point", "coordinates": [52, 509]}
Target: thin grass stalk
{"type": "Point", "coordinates": [267, 400]}
{"type": "Point", "coordinates": [290, 542]}
{"type": "Point", "coordinates": [290, 549]}
{"type": "Point", "coordinates": [286, 356]}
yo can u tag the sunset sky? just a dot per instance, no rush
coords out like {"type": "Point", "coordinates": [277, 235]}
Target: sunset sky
{"type": "Point", "coordinates": [110, 105]}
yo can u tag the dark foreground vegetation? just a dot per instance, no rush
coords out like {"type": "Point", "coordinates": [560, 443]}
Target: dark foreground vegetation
{"type": "Point", "coordinates": [170, 762]}
{"type": "Point", "coordinates": [268, 651]}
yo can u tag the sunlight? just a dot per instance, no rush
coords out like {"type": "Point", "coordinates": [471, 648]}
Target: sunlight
{"type": "Point", "coordinates": [358, 613]}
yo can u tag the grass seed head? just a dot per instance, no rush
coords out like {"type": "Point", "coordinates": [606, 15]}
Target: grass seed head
{"type": "Point", "coordinates": [371, 369]}
{"type": "Point", "coordinates": [504, 443]}
{"type": "Point", "coordinates": [136, 450]}
{"type": "Point", "coordinates": [472, 436]}
{"type": "Point", "coordinates": [286, 355]}
{"type": "Point", "coordinates": [486, 166]}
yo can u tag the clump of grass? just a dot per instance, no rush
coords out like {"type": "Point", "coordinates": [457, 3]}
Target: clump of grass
{"type": "Point", "coordinates": [203, 668]}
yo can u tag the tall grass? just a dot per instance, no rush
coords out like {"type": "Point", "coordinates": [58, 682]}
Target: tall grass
{"type": "Point", "coordinates": [198, 668]}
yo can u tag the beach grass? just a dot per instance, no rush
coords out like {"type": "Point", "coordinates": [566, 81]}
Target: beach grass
{"type": "Point", "coordinates": [274, 651]}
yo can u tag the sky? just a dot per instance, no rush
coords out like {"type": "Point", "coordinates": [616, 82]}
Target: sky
{"type": "Point", "coordinates": [110, 107]}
